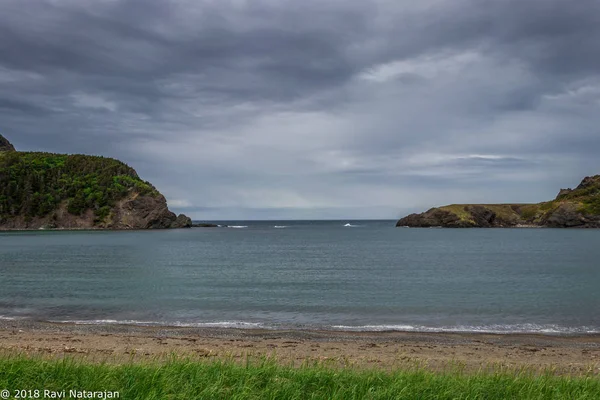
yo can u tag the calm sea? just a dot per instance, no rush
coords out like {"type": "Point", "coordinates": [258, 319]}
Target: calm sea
{"type": "Point", "coordinates": [308, 274]}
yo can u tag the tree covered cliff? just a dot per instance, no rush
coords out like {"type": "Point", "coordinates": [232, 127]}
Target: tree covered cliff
{"type": "Point", "coordinates": [45, 189]}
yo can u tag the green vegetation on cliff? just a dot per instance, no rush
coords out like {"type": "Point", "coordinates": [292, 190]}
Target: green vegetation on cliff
{"type": "Point", "coordinates": [586, 195]}
{"type": "Point", "coordinates": [579, 207]}
{"type": "Point", "coordinates": [60, 191]}
{"type": "Point", "coordinates": [35, 184]}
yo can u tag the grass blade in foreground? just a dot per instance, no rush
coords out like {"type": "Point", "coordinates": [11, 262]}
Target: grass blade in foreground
{"type": "Point", "coordinates": [267, 380]}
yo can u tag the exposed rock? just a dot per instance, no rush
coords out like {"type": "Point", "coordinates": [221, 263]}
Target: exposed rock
{"type": "Point", "coordinates": [563, 192]}
{"type": "Point", "coordinates": [589, 181]}
{"type": "Point", "coordinates": [203, 225]}
{"type": "Point", "coordinates": [182, 221]}
{"type": "Point", "coordinates": [565, 216]}
{"type": "Point", "coordinates": [143, 212]}
{"type": "Point", "coordinates": [5, 145]}
{"type": "Point", "coordinates": [432, 218]}
{"type": "Point", "coordinates": [483, 217]}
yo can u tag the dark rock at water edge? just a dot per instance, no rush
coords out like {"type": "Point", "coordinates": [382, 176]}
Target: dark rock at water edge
{"type": "Point", "coordinates": [182, 221]}
{"type": "Point", "coordinates": [568, 216]}
{"type": "Point", "coordinates": [432, 218]}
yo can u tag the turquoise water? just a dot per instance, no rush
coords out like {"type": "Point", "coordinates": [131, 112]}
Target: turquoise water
{"type": "Point", "coordinates": [321, 274]}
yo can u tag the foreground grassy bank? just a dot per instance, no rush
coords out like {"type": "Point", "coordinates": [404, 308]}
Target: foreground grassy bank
{"type": "Point", "coordinates": [180, 379]}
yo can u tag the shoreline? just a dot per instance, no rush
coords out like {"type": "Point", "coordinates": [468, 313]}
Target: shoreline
{"type": "Point", "coordinates": [543, 330]}
{"type": "Point", "coordinates": [577, 354]}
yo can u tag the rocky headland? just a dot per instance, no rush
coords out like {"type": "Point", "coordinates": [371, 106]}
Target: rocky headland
{"type": "Point", "coordinates": [60, 191]}
{"type": "Point", "coordinates": [572, 208]}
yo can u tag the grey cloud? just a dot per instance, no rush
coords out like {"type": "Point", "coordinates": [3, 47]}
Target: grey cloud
{"type": "Point", "coordinates": [313, 105]}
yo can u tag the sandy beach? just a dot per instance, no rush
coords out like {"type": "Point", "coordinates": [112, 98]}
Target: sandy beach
{"type": "Point", "coordinates": [471, 352]}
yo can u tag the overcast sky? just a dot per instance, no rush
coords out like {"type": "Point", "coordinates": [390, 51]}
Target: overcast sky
{"type": "Point", "coordinates": [312, 109]}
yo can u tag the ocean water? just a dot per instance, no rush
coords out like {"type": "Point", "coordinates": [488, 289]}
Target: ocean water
{"type": "Point", "coordinates": [351, 275]}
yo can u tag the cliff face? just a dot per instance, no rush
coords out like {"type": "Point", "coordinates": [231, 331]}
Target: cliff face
{"type": "Point", "coordinates": [57, 191]}
{"type": "Point", "coordinates": [5, 144]}
{"type": "Point", "coordinates": [132, 212]}
{"type": "Point", "coordinates": [572, 208]}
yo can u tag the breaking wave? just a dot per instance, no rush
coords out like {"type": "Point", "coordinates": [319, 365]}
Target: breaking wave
{"type": "Point", "coordinates": [493, 329]}
{"type": "Point", "coordinates": [498, 329]}
{"type": "Point", "coordinates": [218, 324]}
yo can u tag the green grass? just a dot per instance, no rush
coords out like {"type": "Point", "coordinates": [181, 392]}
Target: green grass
{"type": "Point", "coordinates": [530, 212]}
{"type": "Point", "coordinates": [504, 212]}
{"type": "Point", "coordinates": [459, 211]}
{"type": "Point", "coordinates": [184, 379]}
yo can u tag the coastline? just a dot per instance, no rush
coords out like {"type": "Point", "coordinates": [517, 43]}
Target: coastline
{"type": "Point", "coordinates": [471, 352]}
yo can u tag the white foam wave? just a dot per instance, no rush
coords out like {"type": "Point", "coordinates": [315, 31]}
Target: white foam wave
{"type": "Point", "coordinates": [493, 329]}
{"type": "Point", "coordinates": [237, 226]}
{"type": "Point", "coordinates": [498, 329]}
{"type": "Point", "coordinates": [224, 324]}
{"type": "Point", "coordinates": [217, 324]}
{"type": "Point", "coordinates": [107, 322]}
{"type": "Point", "coordinates": [351, 226]}
{"type": "Point", "coordinates": [280, 226]}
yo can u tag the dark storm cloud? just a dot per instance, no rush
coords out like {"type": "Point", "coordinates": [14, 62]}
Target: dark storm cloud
{"type": "Point", "coordinates": [19, 106]}
{"type": "Point", "coordinates": [126, 41]}
{"type": "Point", "coordinates": [313, 105]}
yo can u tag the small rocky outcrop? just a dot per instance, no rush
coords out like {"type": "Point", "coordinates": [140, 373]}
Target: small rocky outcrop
{"type": "Point", "coordinates": [589, 181]}
{"type": "Point", "coordinates": [205, 225]}
{"type": "Point", "coordinates": [182, 221]}
{"type": "Point", "coordinates": [563, 192]}
{"type": "Point", "coordinates": [5, 145]}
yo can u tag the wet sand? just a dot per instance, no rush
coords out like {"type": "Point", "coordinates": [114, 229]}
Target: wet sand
{"type": "Point", "coordinates": [470, 352]}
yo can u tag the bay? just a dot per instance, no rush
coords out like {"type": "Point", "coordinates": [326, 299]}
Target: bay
{"type": "Point", "coordinates": [352, 275]}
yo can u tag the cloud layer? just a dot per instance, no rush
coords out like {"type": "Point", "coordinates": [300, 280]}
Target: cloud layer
{"type": "Point", "coordinates": [313, 109]}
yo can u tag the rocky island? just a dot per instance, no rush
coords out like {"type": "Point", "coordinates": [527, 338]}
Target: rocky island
{"type": "Point", "coordinates": [60, 191]}
{"type": "Point", "coordinates": [572, 208]}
